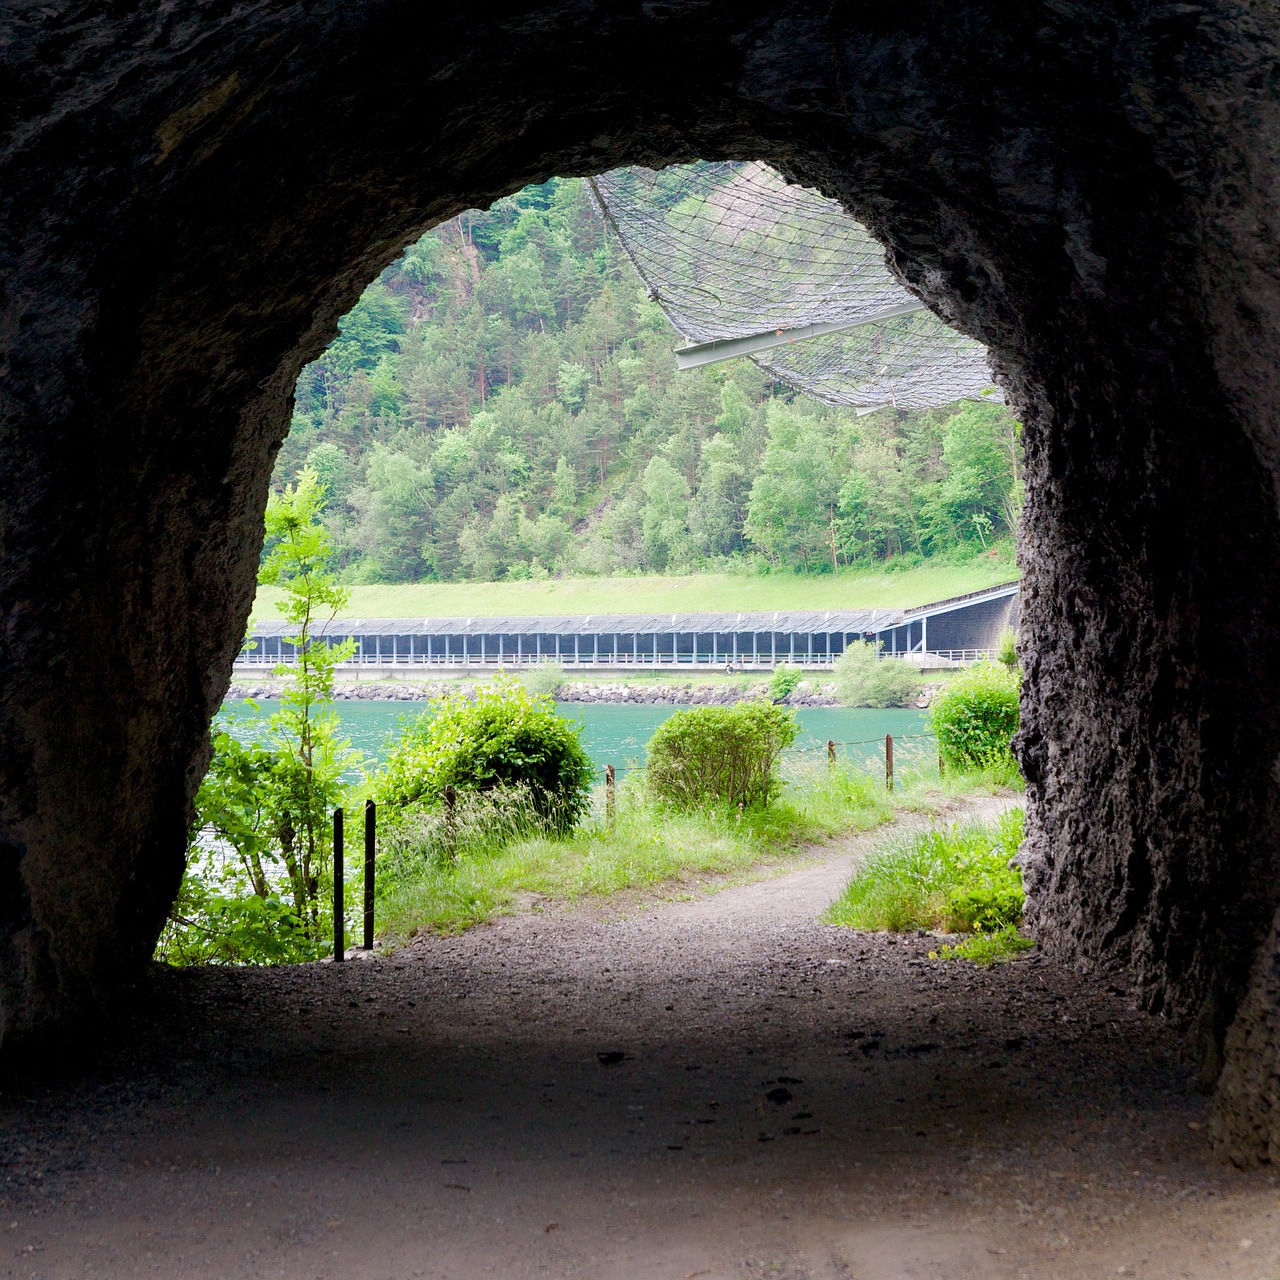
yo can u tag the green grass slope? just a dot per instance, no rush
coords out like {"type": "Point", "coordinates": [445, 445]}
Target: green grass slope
{"type": "Point", "coordinates": [694, 593]}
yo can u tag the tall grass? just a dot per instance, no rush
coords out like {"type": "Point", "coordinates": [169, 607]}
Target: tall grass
{"type": "Point", "coordinates": [494, 859]}
{"type": "Point", "coordinates": [957, 878]}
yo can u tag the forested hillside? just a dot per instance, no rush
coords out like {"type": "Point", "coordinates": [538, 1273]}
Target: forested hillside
{"type": "Point", "coordinates": [503, 403]}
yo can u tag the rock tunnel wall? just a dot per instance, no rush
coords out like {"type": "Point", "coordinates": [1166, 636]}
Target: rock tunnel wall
{"type": "Point", "coordinates": [192, 195]}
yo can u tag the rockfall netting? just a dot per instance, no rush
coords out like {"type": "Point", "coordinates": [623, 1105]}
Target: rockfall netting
{"type": "Point", "coordinates": [741, 259]}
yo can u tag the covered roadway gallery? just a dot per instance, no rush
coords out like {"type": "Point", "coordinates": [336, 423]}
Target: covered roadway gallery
{"type": "Point", "coordinates": [963, 629]}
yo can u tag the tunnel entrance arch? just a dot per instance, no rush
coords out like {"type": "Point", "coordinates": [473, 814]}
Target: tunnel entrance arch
{"type": "Point", "coordinates": [190, 202]}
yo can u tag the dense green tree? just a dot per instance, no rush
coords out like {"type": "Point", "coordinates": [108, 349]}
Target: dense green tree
{"type": "Point", "coordinates": [794, 498]}
{"type": "Point", "coordinates": [666, 514]}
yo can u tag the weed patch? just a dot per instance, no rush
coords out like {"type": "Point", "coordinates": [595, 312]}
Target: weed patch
{"type": "Point", "coordinates": [987, 948]}
{"type": "Point", "coordinates": [957, 879]}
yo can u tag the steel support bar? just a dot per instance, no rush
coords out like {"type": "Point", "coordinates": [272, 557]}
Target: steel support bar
{"type": "Point", "coordinates": [713, 352]}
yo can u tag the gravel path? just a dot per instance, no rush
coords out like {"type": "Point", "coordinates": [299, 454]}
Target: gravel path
{"type": "Point", "coordinates": [717, 1087]}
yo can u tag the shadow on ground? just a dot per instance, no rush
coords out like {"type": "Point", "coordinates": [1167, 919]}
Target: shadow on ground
{"type": "Point", "coordinates": [791, 1101]}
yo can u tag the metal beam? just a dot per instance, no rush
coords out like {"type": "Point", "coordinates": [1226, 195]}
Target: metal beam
{"type": "Point", "coordinates": [713, 352]}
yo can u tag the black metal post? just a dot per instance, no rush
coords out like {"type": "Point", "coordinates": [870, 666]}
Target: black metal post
{"type": "Point", "coordinates": [370, 840]}
{"type": "Point", "coordinates": [339, 908]}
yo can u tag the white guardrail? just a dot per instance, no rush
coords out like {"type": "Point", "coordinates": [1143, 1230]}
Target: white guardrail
{"type": "Point", "coordinates": [251, 658]}
{"type": "Point", "coordinates": [529, 660]}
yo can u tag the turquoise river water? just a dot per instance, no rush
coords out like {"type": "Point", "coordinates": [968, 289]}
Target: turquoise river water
{"type": "Point", "coordinates": [616, 734]}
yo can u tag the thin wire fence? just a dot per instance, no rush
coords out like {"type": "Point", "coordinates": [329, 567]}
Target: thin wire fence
{"type": "Point", "coordinates": [732, 250]}
{"type": "Point", "coordinates": [866, 742]}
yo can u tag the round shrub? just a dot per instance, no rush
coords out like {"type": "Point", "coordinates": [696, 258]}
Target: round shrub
{"type": "Point", "coordinates": [864, 679]}
{"type": "Point", "coordinates": [717, 754]}
{"type": "Point", "coordinates": [504, 737]}
{"type": "Point", "coordinates": [976, 716]}
{"type": "Point", "coordinates": [547, 677]}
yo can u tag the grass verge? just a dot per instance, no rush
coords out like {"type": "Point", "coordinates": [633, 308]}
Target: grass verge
{"type": "Point", "coordinates": [692, 593]}
{"type": "Point", "coordinates": [955, 879]}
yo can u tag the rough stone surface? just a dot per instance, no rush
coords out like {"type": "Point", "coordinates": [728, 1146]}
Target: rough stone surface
{"type": "Point", "coordinates": [192, 194]}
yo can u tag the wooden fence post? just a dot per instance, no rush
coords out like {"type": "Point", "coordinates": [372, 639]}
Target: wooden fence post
{"type": "Point", "coordinates": [339, 931]}
{"type": "Point", "coordinates": [831, 752]}
{"type": "Point", "coordinates": [370, 842]}
{"type": "Point", "coordinates": [610, 795]}
{"type": "Point", "coordinates": [888, 761]}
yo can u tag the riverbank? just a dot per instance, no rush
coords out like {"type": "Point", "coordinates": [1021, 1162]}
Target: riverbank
{"type": "Point", "coordinates": [647, 691]}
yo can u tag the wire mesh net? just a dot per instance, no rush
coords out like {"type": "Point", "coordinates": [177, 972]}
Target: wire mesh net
{"type": "Point", "coordinates": [732, 251]}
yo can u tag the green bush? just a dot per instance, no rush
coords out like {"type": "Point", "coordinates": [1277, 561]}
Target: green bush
{"type": "Point", "coordinates": [1007, 653]}
{"type": "Point", "coordinates": [504, 737]}
{"type": "Point", "coordinates": [958, 880]}
{"type": "Point", "coordinates": [547, 677]}
{"type": "Point", "coordinates": [976, 716]}
{"type": "Point", "coordinates": [783, 682]}
{"type": "Point", "coordinates": [717, 754]}
{"type": "Point", "coordinates": [864, 679]}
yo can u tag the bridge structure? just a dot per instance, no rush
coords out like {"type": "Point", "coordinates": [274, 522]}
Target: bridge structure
{"type": "Point", "coordinates": [958, 630]}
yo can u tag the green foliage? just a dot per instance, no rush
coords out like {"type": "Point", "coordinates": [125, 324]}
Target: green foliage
{"type": "Point", "coordinates": [976, 716]}
{"type": "Point", "coordinates": [312, 755]}
{"type": "Point", "coordinates": [795, 495]}
{"type": "Point", "coordinates": [783, 682]}
{"type": "Point", "coordinates": [1007, 653]}
{"type": "Point", "coordinates": [432, 884]}
{"type": "Point", "coordinates": [863, 679]}
{"type": "Point", "coordinates": [544, 680]}
{"type": "Point", "coordinates": [509, 381]}
{"type": "Point", "coordinates": [218, 920]}
{"type": "Point", "coordinates": [720, 754]}
{"type": "Point", "coordinates": [987, 948]}
{"type": "Point", "coordinates": [263, 811]}
{"type": "Point", "coordinates": [958, 880]}
{"type": "Point", "coordinates": [480, 824]}
{"type": "Point", "coordinates": [502, 737]}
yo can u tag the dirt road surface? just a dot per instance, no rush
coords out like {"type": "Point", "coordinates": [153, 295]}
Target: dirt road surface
{"type": "Point", "coordinates": [717, 1087]}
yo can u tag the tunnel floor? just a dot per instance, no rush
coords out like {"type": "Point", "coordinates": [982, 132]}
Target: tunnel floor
{"type": "Point", "coordinates": [444, 1112]}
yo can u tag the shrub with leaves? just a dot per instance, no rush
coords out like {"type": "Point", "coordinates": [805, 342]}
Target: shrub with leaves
{"type": "Point", "coordinates": [219, 919]}
{"type": "Point", "coordinates": [718, 754]}
{"type": "Point", "coordinates": [783, 682]}
{"type": "Point", "coordinates": [260, 838]}
{"type": "Point", "coordinates": [864, 679]}
{"type": "Point", "coordinates": [547, 677]}
{"type": "Point", "coordinates": [1007, 651]}
{"type": "Point", "coordinates": [502, 737]}
{"type": "Point", "coordinates": [976, 716]}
